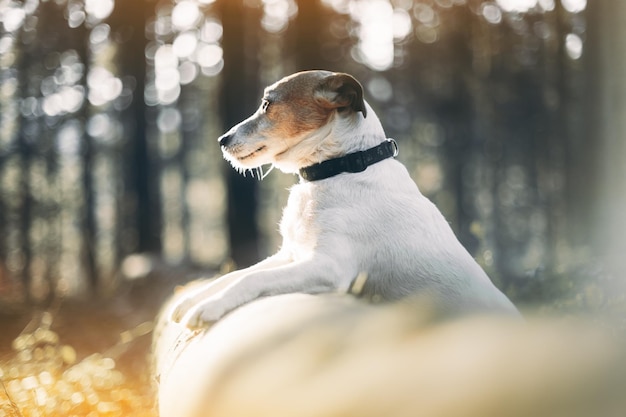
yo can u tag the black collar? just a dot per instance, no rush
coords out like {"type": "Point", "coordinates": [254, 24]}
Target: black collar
{"type": "Point", "coordinates": [352, 162]}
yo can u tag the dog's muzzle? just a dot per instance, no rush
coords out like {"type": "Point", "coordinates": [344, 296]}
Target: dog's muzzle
{"type": "Point", "coordinates": [225, 139]}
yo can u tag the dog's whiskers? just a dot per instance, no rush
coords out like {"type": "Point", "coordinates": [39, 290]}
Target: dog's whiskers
{"type": "Point", "coordinates": [259, 174]}
{"type": "Point", "coordinates": [266, 173]}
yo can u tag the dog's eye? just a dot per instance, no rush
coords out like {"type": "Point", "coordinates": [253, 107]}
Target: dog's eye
{"type": "Point", "coordinates": [264, 105]}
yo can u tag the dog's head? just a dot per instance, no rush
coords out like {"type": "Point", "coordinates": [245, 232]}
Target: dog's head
{"type": "Point", "coordinates": [296, 110]}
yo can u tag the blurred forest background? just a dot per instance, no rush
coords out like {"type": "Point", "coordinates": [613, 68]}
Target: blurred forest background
{"type": "Point", "coordinates": [509, 114]}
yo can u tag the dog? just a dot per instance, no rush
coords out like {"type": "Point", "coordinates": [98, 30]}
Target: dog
{"type": "Point", "coordinates": [356, 212]}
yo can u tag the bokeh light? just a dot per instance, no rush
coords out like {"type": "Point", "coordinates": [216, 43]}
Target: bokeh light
{"type": "Point", "coordinates": [104, 87]}
{"type": "Point", "coordinates": [276, 14]}
{"type": "Point", "coordinates": [211, 31]}
{"type": "Point", "coordinates": [99, 9]}
{"type": "Point", "coordinates": [547, 5]}
{"type": "Point", "coordinates": [376, 35]}
{"type": "Point", "coordinates": [209, 55]}
{"type": "Point", "coordinates": [574, 6]}
{"type": "Point", "coordinates": [12, 17]}
{"type": "Point", "coordinates": [518, 6]}
{"type": "Point", "coordinates": [401, 24]}
{"type": "Point", "coordinates": [99, 34]}
{"type": "Point", "coordinates": [492, 13]}
{"type": "Point", "coordinates": [185, 15]}
{"type": "Point", "coordinates": [185, 44]}
{"type": "Point", "coordinates": [573, 45]}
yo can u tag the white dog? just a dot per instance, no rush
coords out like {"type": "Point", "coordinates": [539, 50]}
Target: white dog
{"type": "Point", "coordinates": [355, 212]}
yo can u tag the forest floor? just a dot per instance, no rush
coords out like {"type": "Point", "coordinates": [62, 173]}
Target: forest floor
{"type": "Point", "coordinates": [88, 358]}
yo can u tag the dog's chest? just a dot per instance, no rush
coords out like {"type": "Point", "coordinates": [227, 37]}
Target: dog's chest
{"type": "Point", "coordinates": [297, 226]}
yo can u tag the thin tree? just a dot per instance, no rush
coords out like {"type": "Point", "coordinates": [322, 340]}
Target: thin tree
{"type": "Point", "coordinates": [239, 92]}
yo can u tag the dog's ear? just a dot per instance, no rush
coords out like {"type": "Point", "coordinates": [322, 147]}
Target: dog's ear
{"type": "Point", "coordinates": [340, 90]}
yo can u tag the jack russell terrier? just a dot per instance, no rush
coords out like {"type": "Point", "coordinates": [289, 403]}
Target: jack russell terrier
{"type": "Point", "coordinates": [355, 213]}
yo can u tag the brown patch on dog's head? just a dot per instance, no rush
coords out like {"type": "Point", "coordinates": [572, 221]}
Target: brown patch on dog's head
{"type": "Point", "coordinates": [305, 101]}
{"type": "Point", "coordinates": [291, 109]}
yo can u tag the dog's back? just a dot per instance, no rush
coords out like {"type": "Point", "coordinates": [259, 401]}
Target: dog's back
{"type": "Point", "coordinates": [378, 223]}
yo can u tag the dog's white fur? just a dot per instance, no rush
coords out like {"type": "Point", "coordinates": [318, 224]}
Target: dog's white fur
{"type": "Point", "coordinates": [374, 222]}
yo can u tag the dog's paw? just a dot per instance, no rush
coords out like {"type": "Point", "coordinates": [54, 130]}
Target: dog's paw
{"type": "Point", "coordinates": [182, 309]}
{"type": "Point", "coordinates": [192, 295]}
{"type": "Point", "coordinates": [204, 315]}
{"type": "Point", "coordinates": [178, 312]}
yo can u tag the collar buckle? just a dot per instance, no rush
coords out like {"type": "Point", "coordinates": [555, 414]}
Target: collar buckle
{"type": "Point", "coordinates": [396, 150]}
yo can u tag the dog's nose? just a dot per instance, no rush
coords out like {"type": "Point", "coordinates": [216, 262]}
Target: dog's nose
{"type": "Point", "coordinates": [225, 139]}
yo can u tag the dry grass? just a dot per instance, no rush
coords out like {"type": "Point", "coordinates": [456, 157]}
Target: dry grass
{"type": "Point", "coordinates": [86, 359]}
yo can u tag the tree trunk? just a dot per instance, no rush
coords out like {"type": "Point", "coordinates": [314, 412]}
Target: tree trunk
{"type": "Point", "coordinates": [239, 93]}
{"type": "Point", "coordinates": [309, 29]}
{"type": "Point", "coordinates": [129, 21]}
{"type": "Point", "coordinates": [606, 49]}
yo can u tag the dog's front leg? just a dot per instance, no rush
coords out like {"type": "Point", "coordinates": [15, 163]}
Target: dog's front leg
{"type": "Point", "coordinates": [206, 290]}
{"type": "Point", "coordinates": [313, 276]}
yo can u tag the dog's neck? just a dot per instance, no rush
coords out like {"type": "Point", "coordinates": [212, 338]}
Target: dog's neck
{"type": "Point", "coordinates": [343, 134]}
{"type": "Point", "coordinates": [352, 163]}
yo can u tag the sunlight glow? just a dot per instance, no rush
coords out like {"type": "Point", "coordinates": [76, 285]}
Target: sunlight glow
{"type": "Point", "coordinates": [574, 6]}
{"type": "Point", "coordinates": [519, 6]}
{"type": "Point", "coordinates": [185, 15]}
{"type": "Point", "coordinates": [167, 79]}
{"type": "Point", "coordinates": [188, 72]}
{"type": "Point", "coordinates": [61, 92]}
{"type": "Point", "coordinates": [12, 18]}
{"type": "Point", "coordinates": [209, 55]}
{"type": "Point", "coordinates": [72, 98]}
{"type": "Point", "coordinates": [185, 44]}
{"type": "Point", "coordinates": [99, 9]}
{"type": "Point", "coordinates": [276, 14]}
{"type": "Point", "coordinates": [211, 31]}
{"type": "Point", "coordinates": [402, 25]}
{"type": "Point", "coordinates": [103, 86]}
{"type": "Point", "coordinates": [165, 57]}
{"type": "Point", "coordinates": [375, 18]}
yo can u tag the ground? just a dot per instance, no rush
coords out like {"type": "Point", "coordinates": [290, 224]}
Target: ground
{"type": "Point", "coordinates": [89, 358]}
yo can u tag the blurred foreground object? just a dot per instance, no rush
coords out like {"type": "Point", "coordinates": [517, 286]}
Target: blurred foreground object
{"type": "Point", "coordinates": [300, 355]}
